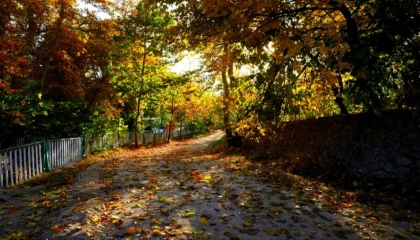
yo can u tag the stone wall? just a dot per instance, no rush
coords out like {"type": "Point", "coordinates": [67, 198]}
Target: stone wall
{"type": "Point", "coordinates": [384, 147]}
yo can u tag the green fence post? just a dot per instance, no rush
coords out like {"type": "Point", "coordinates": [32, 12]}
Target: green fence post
{"type": "Point", "coordinates": [46, 166]}
{"type": "Point", "coordinates": [83, 147]}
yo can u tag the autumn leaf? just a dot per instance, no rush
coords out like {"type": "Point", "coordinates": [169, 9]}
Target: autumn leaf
{"type": "Point", "coordinates": [204, 220]}
{"type": "Point", "coordinates": [130, 230]}
{"type": "Point", "coordinates": [57, 228]}
{"type": "Point", "coordinates": [153, 179]}
{"type": "Point", "coordinates": [155, 221]}
{"type": "Point", "coordinates": [31, 225]}
{"type": "Point", "coordinates": [271, 232]}
{"type": "Point", "coordinates": [247, 224]}
{"type": "Point", "coordinates": [198, 232]}
{"type": "Point", "coordinates": [190, 213]}
{"type": "Point", "coordinates": [346, 205]}
{"type": "Point", "coordinates": [13, 209]}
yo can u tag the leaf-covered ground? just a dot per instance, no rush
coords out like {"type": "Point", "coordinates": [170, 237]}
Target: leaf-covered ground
{"type": "Point", "coordinates": [184, 190]}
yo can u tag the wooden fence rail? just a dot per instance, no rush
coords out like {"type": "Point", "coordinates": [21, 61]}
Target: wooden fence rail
{"type": "Point", "coordinates": [20, 163]}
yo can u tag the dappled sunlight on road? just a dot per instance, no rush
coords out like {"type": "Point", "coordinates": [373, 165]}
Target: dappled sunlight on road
{"type": "Point", "coordinates": [185, 191]}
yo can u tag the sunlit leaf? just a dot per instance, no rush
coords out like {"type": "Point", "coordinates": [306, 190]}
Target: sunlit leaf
{"type": "Point", "coordinates": [130, 230]}
{"type": "Point", "coordinates": [190, 213]}
{"type": "Point", "coordinates": [198, 232]}
{"type": "Point", "coordinates": [204, 220]}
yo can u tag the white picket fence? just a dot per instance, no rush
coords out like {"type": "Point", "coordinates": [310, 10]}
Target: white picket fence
{"type": "Point", "coordinates": [23, 162]}
{"type": "Point", "coordinates": [20, 163]}
{"type": "Point", "coordinates": [64, 151]}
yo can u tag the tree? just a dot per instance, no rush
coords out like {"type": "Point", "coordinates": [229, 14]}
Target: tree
{"type": "Point", "coordinates": [328, 37]}
{"type": "Point", "coordinates": [137, 67]}
{"type": "Point", "coordinates": [52, 58]}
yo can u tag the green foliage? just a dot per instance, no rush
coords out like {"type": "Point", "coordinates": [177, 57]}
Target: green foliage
{"type": "Point", "coordinates": [196, 124]}
{"type": "Point", "coordinates": [98, 125]}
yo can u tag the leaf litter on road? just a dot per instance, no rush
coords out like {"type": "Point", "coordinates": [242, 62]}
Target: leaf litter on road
{"type": "Point", "coordinates": [181, 191]}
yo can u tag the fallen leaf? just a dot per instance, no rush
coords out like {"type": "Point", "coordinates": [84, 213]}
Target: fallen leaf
{"type": "Point", "coordinates": [198, 232]}
{"type": "Point", "coordinates": [130, 230]}
{"type": "Point", "coordinates": [250, 231]}
{"type": "Point", "coordinates": [204, 220]}
{"type": "Point", "coordinates": [271, 232]}
{"type": "Point", "coordinates": [155, 221]}
{"type": "Point", "coordinates": [57, 228]}
{"type": "Point", "coordinates": [247, 224]}
{"type": "Point", "coordinates": [401, 235]}
{"type": "Point", "coordinates": [190, 213]}
{"type": "Point", "coordinates": [31, 225]}
{"type": "Point", "coordinates": [415, 231]}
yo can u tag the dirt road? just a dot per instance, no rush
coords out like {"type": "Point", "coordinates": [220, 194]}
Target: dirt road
{"type": "Point", "coordinates": [185, 191]}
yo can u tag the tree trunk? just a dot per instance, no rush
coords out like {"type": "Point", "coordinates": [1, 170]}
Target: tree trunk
{"type": "Point", "coordinates": [136, 125]}
{"type": "Point", "coordinates": [180, 132]}
{"type": "Point", "coordinates": [226, 96]}
{"type": "Point", "coordinates": [170, 122]}
{"type": "Point", "coordinates": [338, 92]}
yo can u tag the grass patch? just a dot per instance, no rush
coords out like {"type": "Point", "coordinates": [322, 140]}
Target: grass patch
{"type": "Point", "coordinates": [220, 144]}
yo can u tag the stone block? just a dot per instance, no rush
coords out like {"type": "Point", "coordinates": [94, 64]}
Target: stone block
{"type": "Point", "coordinates": [382, 131]}
{"type": "Point", "coordinates": [376, 149]}
{"type": "Point", "coordinates": [395, 133]}
{"type": "Point", "coordinates": [380, 174]}
{"type": "Point", "coordinates": [388, 122]}
{"type": "Point", "coordinates": [390, 149]}
{"type": "Point", "coordinates": [363, 170]}
{"type": "Point", "coordinates": [368, 154]}
{"type": "Point", "coordinates": [381, 158]}
{"type": "Point", "coordinates": [374, 166]}
{"type": "Point", "coordinates": [403, 161]}
{"type": "Point", "coordinates": [376, 140]}
{"type": "Point", "coordinates": [399, 124]}
{"type": "Point", "coordinates": [411, 125]}
{"type": "Point", "coordinates": [390, 141]}
{"type": "Point", "coordinates": [365, 138]}
{"type": "Point", "coordinates": [404, 150]}
{"type": "Point", "coordinates": [412, 135]}
{"type": "Point", "coordinates": [388, 167]}
{"type": "Point", "coordinates": [407, 142]}
{"type": "Point", "coordinates": [403, 172]}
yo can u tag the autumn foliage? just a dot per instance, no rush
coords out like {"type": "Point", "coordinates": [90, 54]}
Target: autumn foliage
{"type": "Point", "coordinates": [65, 71]}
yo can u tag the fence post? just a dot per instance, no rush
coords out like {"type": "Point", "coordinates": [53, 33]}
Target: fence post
{"type": "Point", "coordinates": [83, 148]}
{"type": "Point", "coordinates": [45, 156]}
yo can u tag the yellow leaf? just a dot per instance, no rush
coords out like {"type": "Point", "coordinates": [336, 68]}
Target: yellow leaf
{"type": "Point", "coordinates": [96, 219]}
{"type": "Point", "coordinates": [271, 232]}
{"type": "Point", "coordinates": [204, 220]}
{"type": "Point", "coordinates": [207, 178]}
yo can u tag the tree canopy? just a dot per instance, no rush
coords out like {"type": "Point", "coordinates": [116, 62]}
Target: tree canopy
{"type": "Point", "coordinates": [263, 61]}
